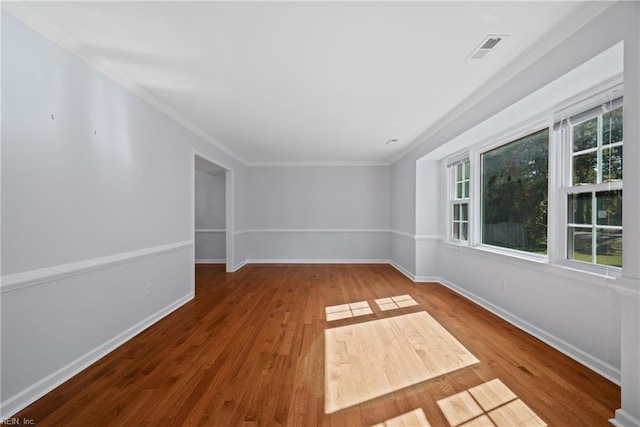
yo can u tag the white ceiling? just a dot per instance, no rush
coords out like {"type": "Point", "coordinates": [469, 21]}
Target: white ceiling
{"type": "Point", "coordinates": [307, 82]}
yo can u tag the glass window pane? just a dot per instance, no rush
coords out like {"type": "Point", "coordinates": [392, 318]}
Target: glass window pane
{"type": "Point", "coordinates": [463, 231]}
{"type": "Point", "coordinates": [612, 120]}
{"type": "Point", "coordinates": [612, 164]}
{"type": "Point", "coordinates": [514, 194]}
{"type": "Point", "coordinates": [466, 170]}
{"type": "Point", "coordinates": [580, 208]}
{"type": "Point", "coordinates": [580, 244]}
{"type": "Point", "coordinates": [609, 207]}
{"type": "Point", "coordinates": [585, 135]}
{"type": "Point", "coordinates": [459, 171]}
{"type": "Point", "coordinates": [466, 189]}
{"type": "Point", "coordinates": [456, 212]}
{"type": "Point", "coordinates": [609, 247]}
{"type": "Point", "coordinates": [464, 208]}
{"type": "Point", "coordinates": [456, 230]}
{"type": "Point", "coordinates": [459, 190]}
{"type": "Point", "coordinates": [585, 168]}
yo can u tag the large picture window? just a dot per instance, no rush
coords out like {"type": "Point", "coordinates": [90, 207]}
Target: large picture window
{"type": "Point", "coordinates": [515, 194]}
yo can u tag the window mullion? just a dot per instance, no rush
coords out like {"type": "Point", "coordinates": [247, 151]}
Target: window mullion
{"type": "Point", "coordinates": [594, 223]}
{"type": "Point", "coordinates": [599, 152]}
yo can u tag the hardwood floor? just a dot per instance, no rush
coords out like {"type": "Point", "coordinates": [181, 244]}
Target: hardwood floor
{"type": "Point", "coordinates": [249, 351]}
{"type": "Point", "coordinates": [374, 358]}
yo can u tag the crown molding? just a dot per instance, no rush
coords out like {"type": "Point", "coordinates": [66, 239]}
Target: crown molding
{"type": "Point", "coordinates": [317, 164]}
{"type": "Point", "coordinates": [312, 230]}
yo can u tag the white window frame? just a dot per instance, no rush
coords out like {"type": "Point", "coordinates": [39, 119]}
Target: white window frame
{"type": "Point", "coordinates": [453, 199]}
{"type": "Point", "coordinates": [566, 187]}
{"type": "Point", "coordinates": [522, 129]}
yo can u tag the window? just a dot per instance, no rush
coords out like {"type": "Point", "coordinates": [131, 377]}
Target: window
{"type": "Point", "coordinates": [552, 194]}
{"type": "Point", "coordinates": [460, 200]}
{"type": "Point", "coordinates": [515, 194]}
{"type": "Point", "coordinates": [594, 190]}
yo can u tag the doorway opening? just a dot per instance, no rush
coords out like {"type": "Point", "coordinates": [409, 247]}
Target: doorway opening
{"type": "Point", "coordinates": [212, 213]}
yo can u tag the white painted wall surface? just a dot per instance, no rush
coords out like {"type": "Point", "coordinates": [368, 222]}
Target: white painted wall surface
{"type": "Point", "coordinates": [210, 247]}
{"type": "Point", "coordinates": [319, 213]}
{"type": "Point", "coordinates": [97, 179]}
{"type": "Point", "coordinates": [318, 197]}
{"type": "Point", "coordinates": [579, 317]}
{"type": "Point", "coordinates": [210, 201]}
{"type": "Point", "coordinates": [96, 204]}
{"type": "Point", "coordinates": [403, 215]}
{"type": "Point", "coordinates": [210, 207]}
{"type": "Point", "coordinates": [629, 290]}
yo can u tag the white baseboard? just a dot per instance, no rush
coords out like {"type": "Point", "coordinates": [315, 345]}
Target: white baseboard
{"type": "Point", "coordinates": [29, 395]}
{"type": "Point", "coordinates": [624, 419]}
{"type": "Point", "coordinates": [403, 270]}
{"type": "Point", "coordinates": [308, 261]}
{"type": "Point", "coordinates": [239, 266]}
{"type": "Point", "coordinates": [602, 368]}
{"type": "Point", "coordinates": [317, 261]}
{"type": "Point", "coordinates": [211, 261]}
{"type": "Point", "coordinates": [427, 279]}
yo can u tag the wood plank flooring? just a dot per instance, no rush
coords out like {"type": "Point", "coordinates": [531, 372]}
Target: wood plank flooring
{"type": "Point", "coordinates": [370, 359]}
{"type": "Point", "coordinates": [249, 351]}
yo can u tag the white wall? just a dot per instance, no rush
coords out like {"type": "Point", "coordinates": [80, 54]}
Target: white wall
{"type": "Point", "coordinates": [210, 210]}
{"type": "Point", "coordinates": [403, 216]}
{"type": "Point", "coordinates": [318, 213]}
{"type": "Point", "coordinates": [96, 204]}
{"type": "Point", "coordinates": [580, 314]}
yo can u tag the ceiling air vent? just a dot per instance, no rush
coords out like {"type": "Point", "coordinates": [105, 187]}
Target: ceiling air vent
{"type": "Point", "coordinates": [485, 46]}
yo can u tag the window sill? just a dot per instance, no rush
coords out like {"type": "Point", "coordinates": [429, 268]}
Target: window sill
{"type": "Point", "coordinates": [541, 264]}
{"type": "Point", "coordinates": [514, 253]}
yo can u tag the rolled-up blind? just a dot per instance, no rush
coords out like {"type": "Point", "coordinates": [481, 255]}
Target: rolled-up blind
{"type": "Point", "coordinates": [587, 114]}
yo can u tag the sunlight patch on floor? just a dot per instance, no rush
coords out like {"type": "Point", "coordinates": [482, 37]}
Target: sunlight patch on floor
{"type": "Point", "coordinates": [415, 418]}
{"type": "Point", "coordinates": [370, 359]}
{"type": "Point", "coordinates": [392, 303]}
{"type": "Point", "coordinates": [345, 311]}
{"type": "Point", "coordinates": [489, 404]}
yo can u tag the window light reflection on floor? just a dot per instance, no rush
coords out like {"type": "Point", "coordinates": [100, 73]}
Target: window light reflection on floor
{"type": "Point", "coordinates": [392, 303]}
{"type": "Point", "coordinates": [415, 418]}
{"type": "Point", "coordinates": [489, 404]}
{"type": "Point", "coordinates": [345, 311]}
{"type": "Point", "coordinates": [370, 359]}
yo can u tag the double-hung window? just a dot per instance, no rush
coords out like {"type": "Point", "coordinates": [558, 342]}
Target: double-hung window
{"type": "Point", "coordinates": [459, 200]}
{"type": "Point", "coordinates": [593, 143]}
